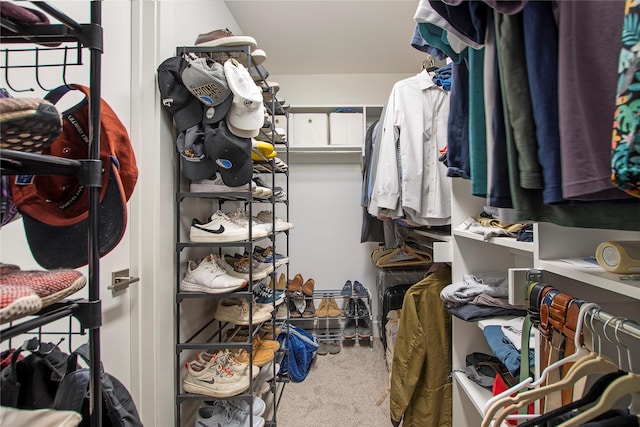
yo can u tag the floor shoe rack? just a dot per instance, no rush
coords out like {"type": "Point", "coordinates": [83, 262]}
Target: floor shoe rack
{"type": "Point", "coordinates": [331, 328]}
{"type": "Point", "coordinates": [196, 328]}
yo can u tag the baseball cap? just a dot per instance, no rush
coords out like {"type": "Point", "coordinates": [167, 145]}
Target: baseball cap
{"type": "Point", "coordinates": [246, 115]}
{"type": "Point", "coordinates": [231, 154]}
{"type": "Point", "coordinates": [196, 165]}
{"type": "Point", "coordinates": [205, 79]}
{"type": "Point", "coordinates": [186, 110]}
{"type": "Point", "coordinates": [55, 208]}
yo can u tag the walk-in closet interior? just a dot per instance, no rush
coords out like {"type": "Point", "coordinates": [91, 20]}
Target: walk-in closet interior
{"type": "Point", "coordinates": [319, 213]}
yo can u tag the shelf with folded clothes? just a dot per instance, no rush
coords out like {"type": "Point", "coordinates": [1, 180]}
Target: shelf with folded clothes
{"type": "Point", "coordinates": [509, 242]}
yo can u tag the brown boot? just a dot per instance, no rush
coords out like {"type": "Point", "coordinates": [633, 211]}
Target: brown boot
{"type": "Point", "coordinates": [309, 309]}
{"type": "Point", "coordinates": [323, 308]}
{"type": "Point", "coordinates": [332, 308]}
{"type": "Point", "coordinates": [281, 285]}
{"type": "Point", "coordinates": [296, 283]}
{"type": "Point", "coordinates": [308, 286]}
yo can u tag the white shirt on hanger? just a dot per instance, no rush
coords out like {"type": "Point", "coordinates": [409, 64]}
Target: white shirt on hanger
{"type": "Point", "coordinates": [409, 178]}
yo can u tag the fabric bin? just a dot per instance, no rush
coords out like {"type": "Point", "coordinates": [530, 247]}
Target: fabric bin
{"type": "Point", "coordinates": [311, 129]}
{"type": "Point", "coordinates": [346, 129]}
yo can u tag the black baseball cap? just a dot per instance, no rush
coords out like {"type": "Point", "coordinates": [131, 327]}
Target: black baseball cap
{"type": "Point", "coordinates": [185, 108]}
{"type": "Point", "coordinates": [231, 153]}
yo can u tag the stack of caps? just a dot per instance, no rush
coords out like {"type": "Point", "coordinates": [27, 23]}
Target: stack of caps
{"type": "Point", "coordinates": [217, 110]}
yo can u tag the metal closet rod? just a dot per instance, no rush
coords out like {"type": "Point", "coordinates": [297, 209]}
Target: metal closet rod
{"type": "Point", "coordinates": [630, 327]}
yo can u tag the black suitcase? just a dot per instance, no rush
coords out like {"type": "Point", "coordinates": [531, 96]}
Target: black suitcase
{"type": "Point", "coordinates": [391, 300]}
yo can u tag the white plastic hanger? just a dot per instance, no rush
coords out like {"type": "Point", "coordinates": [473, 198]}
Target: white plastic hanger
{"type": "Point", "coordinates": [498, 401]}
{"type": "Point", "coordinates": [591, 363]}
{"type": "Point", "coordinates": [619, 388]}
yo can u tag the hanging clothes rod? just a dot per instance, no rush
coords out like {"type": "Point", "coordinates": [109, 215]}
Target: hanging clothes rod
{"type": "Point", "coordinates": [628, 327]}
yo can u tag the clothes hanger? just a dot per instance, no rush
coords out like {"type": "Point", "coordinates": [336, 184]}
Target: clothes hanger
{"type": "Point", "coordinates": [598, 388]}
{"type": "Point", "coordinates": [497, 402]}
{"type": "Point", "coordinates": [592, 363]}
{"type": "Point", "coordinates": [619, 388]}
{"type": "Point", "coordinates": [398, 257]}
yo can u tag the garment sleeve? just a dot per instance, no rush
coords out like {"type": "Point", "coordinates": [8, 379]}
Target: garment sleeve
{"type": "Point", "coordinates": [411, 346]}
{"type": "Point", "coordinates": [386, 184]}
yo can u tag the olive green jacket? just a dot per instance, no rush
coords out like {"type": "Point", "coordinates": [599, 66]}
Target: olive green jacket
{"type": "Point", "coordinates": [420, 384]}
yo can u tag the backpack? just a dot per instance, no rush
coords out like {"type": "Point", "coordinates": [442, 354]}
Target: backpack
{"type": "Point", "coordinates": [118, 408]}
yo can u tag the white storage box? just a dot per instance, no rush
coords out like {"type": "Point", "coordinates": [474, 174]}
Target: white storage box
{"type": "Point", "coordinates": [346, 129]}
{"type": "Point", "coordinates": [311, 129]}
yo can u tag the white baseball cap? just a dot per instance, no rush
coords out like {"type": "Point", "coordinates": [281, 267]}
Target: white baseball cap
{"type": "Point", "coordinates": [247, 110]}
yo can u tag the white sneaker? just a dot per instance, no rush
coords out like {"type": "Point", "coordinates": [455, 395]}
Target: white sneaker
{"type": "Point", "coordinates": [258, 230]}
{"type": "Point", "coordinates": [213, 380]}
{"type": "Point", "coordinates": [265, 217]}
{"type": "Point", "coordinates": [226, 359]}
{"type": "Point", "coordinates": [236, 311]}
{"type": "Point", "coordinates": [210, 278]}
{"type": "Point", "coordinates": [219, 229]}
{"type": "Point", "coordinates": [259, 406]}
{"type": "Point", "coordinates": [224, 413]}
{"type": "Point", "coordinates": [217, 186]}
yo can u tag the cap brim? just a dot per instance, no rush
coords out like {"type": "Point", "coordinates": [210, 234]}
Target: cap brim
{"type": "Point", "coordinates": [219, 111]}
{"type": "Point", "coordinates": [66, 247]}
{"type": "Point", "coordinates": [241, 132]}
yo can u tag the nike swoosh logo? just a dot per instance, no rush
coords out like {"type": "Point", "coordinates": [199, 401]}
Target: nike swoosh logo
{"type": "Point", "coordinates": [220, 229]}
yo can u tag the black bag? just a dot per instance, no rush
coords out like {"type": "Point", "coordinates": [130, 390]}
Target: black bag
{"type": "Point", "coordinates": [392, 300]}
{"type": "Point", "coordinates": [118, 408]}
{"type": "Point", "coordinates": [32, 382]}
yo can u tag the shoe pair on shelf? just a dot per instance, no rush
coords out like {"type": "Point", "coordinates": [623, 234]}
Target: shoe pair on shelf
{"type": "Point", "coordinates": [299, 288]}
{"type": "Point", "coordinates": [301, 308]}
{"type": "Point", "coordinates": [328, 307]}
{"type": "Point", "coordinates": [222, 373]}
{"type": "Point", "coordinates": [210, 276]}
{"type": "Point", "coordinates": [265, 295]}
{"type": "Point", "coordinates": [236, 311]}
{"type": "Point", "coordinates": [234, 227]}
{"type": "Point", "coordinates": [231, 412]}
{"type": "Point", "coordinates": [357, 322]}
{"type": "Point", "coordinates": [329, 347]}
{"type": "Point", "coordinates": [355, 289]}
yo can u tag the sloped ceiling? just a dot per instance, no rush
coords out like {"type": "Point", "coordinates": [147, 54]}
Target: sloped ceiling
{"type": "Point", "coordinates": [331, 37]}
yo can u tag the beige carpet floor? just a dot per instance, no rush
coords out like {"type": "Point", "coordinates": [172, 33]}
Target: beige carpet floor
{"type": "Point", "coordinates": [341, 390]}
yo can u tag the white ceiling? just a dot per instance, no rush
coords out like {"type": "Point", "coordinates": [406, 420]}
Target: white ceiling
{"type": "Point", "coordinates": [331, 37]}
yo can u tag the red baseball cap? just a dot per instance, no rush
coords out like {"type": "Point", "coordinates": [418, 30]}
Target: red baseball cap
{"type": "Point", "coordinates": [54, 208]}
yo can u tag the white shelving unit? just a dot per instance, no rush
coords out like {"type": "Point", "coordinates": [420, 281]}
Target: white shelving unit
{"type": "Point", "coordinates": [552, 244]}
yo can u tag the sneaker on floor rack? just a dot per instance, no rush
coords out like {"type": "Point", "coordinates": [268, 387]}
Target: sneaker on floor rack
{"type": "Point", "coordinates": [258, 230]}
{"type": "Point", "coordinates": [214, 380]}
{"type": "Point", "coordinates": [223, 413]}
{"type": "Point", "coordinates": [236, 311]}
{"type": "Point", "coordinates": [220, 228]}
{"type": "Point", "coordinates": [239, 267]}
{"type": "Point", "coordinates": [265, 295]}
{"type": "Point", "coordinates": [228, 360]}
{"type": "Point", "coordinates": [210, 278]}
{"type": "Point", "coordinates": [258, 405]}
{"type": "Point", "coordinates": [216, 185]}
{"type": "Point", "coordinates": [266, 217]}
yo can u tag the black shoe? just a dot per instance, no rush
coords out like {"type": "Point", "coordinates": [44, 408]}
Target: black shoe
{"type": "Point", "coordinates": [359, 290]}
{"type": "Point", "coordinates": [362, 322]}
{"type": "Point", "coordinates": [349, 330]}
{"type": "Point", "coordinates": [350, 308]}
{"type": "Point", "coordinates": [347, 289]}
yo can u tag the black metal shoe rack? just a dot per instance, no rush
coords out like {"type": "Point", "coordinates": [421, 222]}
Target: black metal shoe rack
{"type": "Point", "coordinates": [74, 37]}
{"type": "Point", "coordinates": [211, 335]}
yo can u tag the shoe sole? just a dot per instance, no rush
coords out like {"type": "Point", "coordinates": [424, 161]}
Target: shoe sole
{"type": "Point", "coordinates": [21, 307]}
{"type": "Point", "coordinates": [33, 128]}
{"type": "Point", "coordinates": [348, 336]}
{"type": "Point", "coordinates": [195, 287]}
